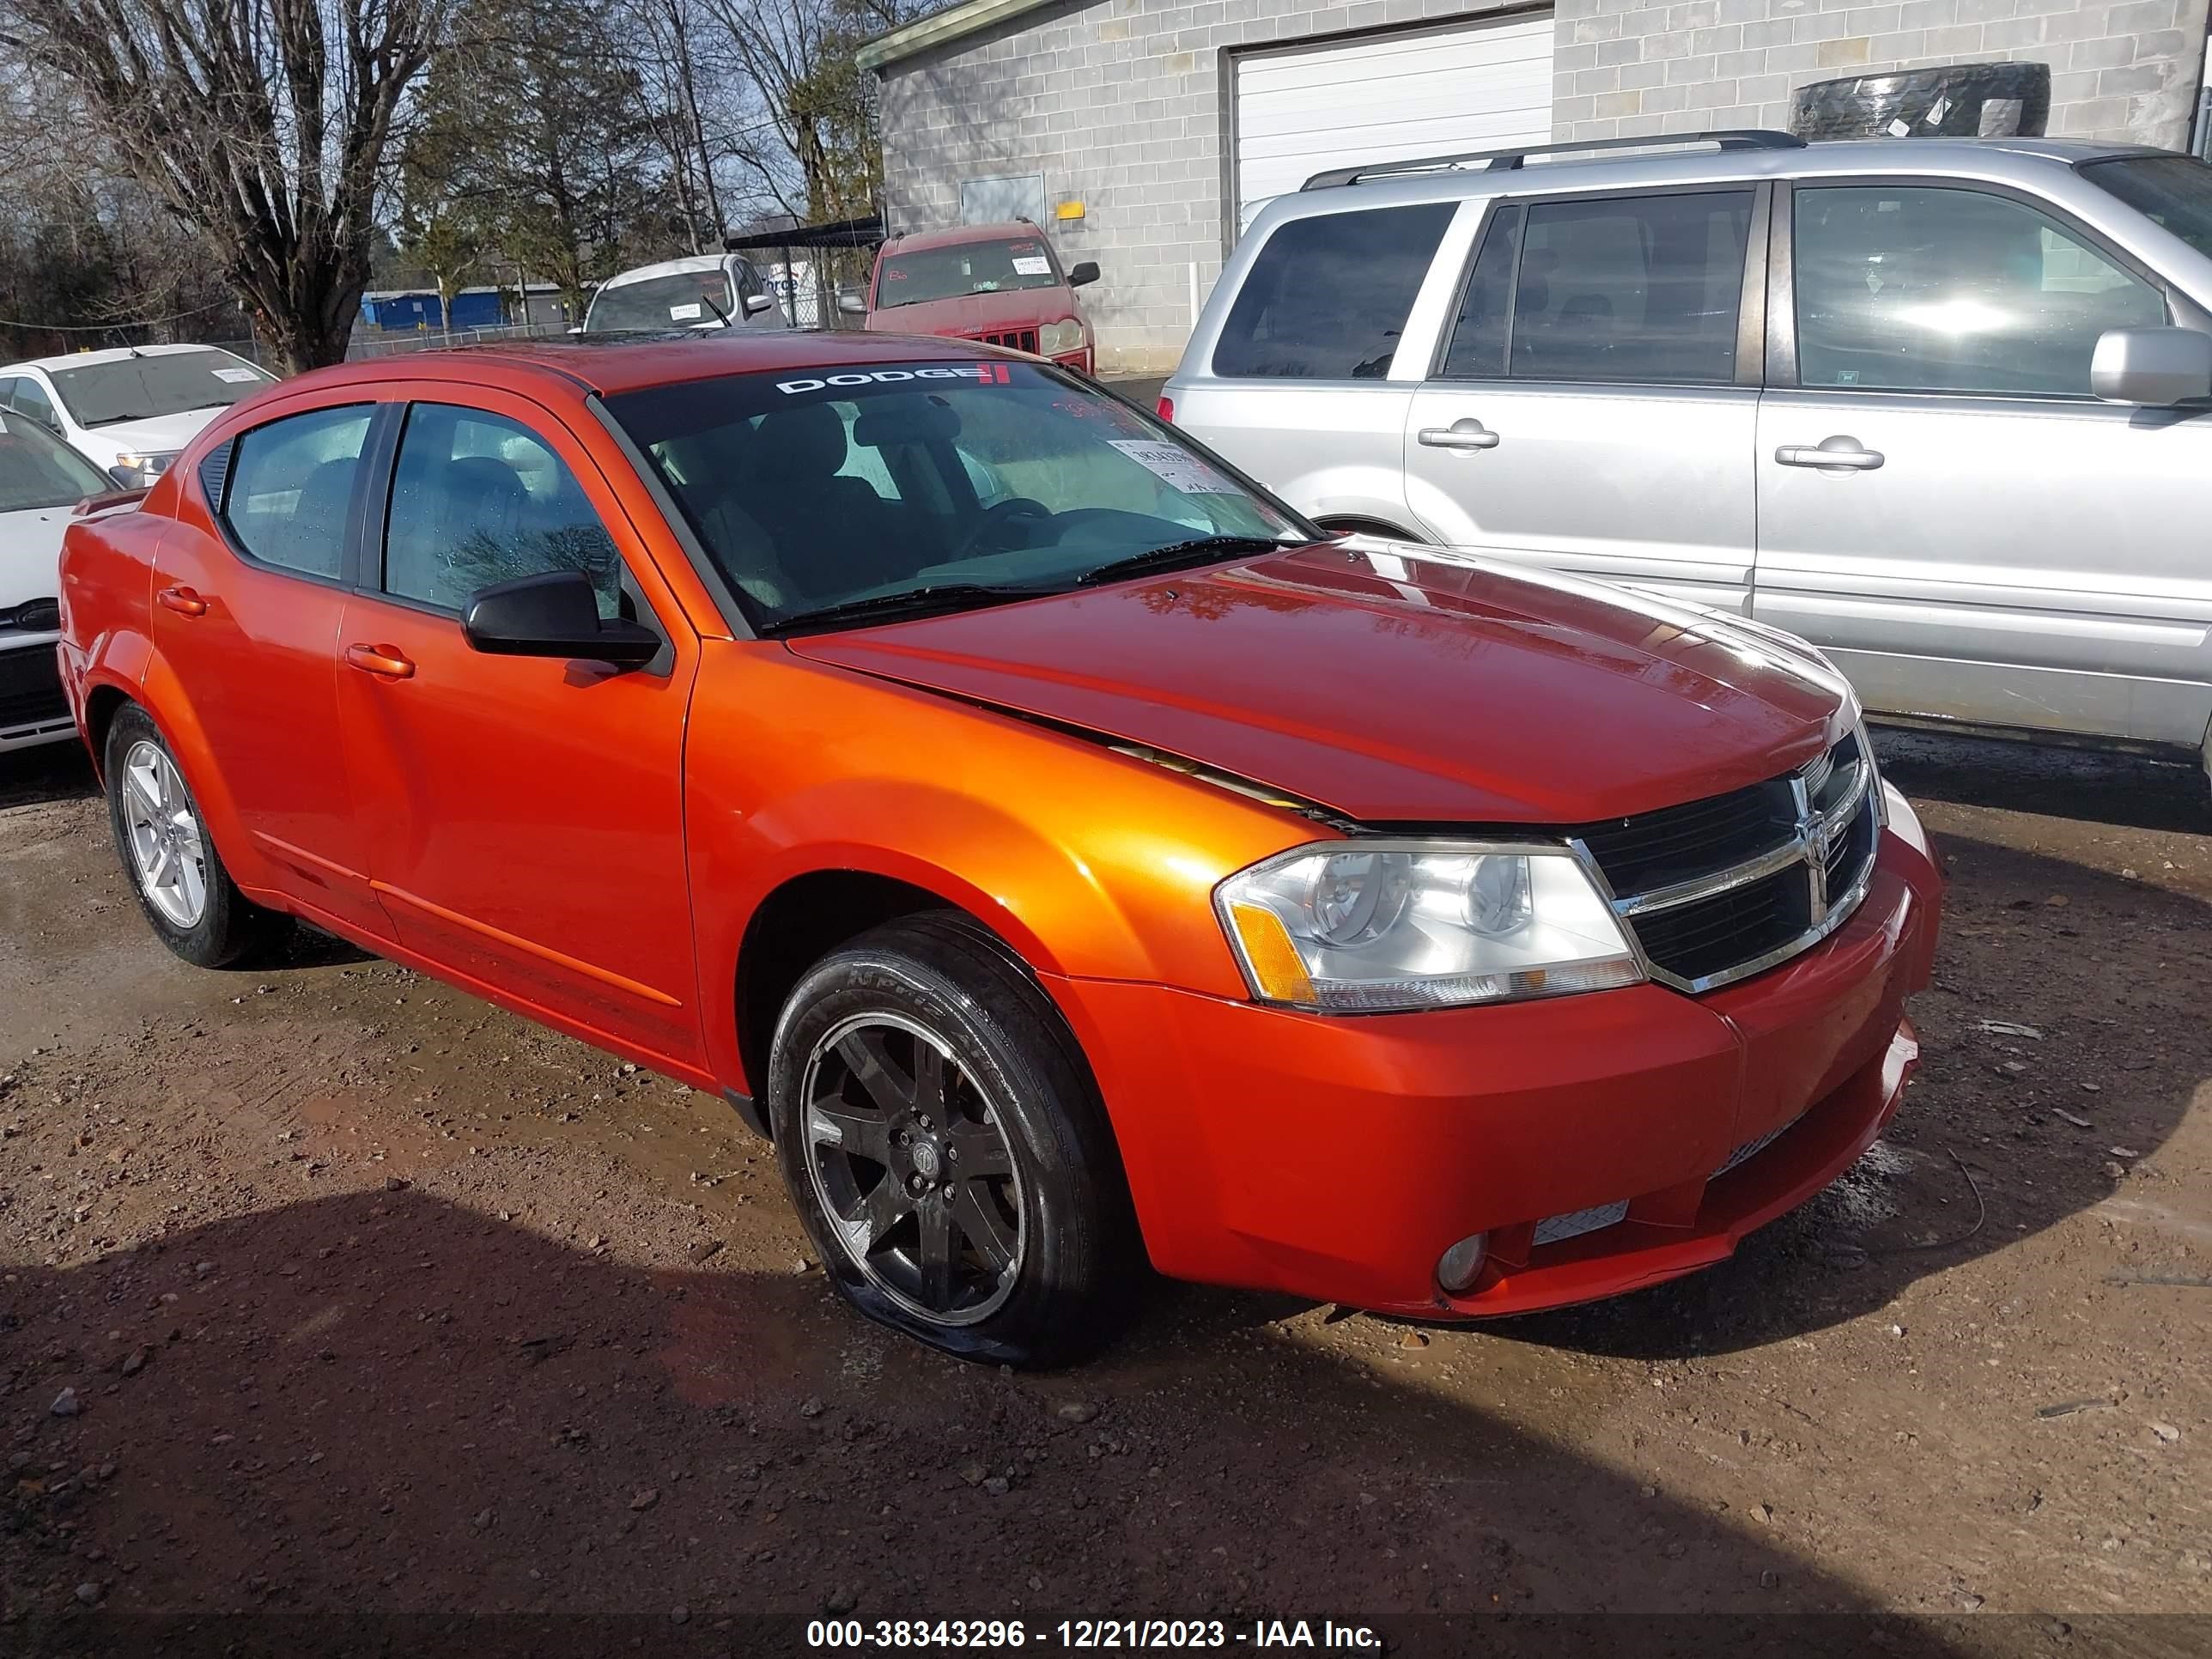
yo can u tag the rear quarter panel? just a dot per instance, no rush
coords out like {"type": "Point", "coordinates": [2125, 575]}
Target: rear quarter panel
{"type": "Point", "coordinates": [106, 597]}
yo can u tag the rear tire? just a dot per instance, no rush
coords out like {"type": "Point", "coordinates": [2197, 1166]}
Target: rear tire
{"type": "Point", "coordinates": [189, 898]}
{"type": "Point", "coordinates": [946, 1149]}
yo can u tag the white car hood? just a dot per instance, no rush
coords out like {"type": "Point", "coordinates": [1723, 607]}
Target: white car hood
{"type": "Point", "coordinates": [156, 434]}
{"type": "Point", "coordinates": [31, 555]}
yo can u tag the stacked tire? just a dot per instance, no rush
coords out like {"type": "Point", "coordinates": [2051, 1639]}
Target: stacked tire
{"type": "Point", "coordinates": [1959, 101]}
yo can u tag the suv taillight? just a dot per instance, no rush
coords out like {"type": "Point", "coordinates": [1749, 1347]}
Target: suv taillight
{"type": "Point", "coordinates": [1167, 411]}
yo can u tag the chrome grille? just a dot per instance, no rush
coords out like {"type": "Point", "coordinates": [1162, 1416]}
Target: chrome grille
{"type": "Point", "coordinates": [1725, 887]}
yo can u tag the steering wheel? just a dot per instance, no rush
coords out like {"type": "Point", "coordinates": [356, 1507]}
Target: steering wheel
{"type": "Point", "coordinates": [998, 517]}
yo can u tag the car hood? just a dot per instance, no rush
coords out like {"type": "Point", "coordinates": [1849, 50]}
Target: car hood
{"type": "Point", "coordinates": [978, 313]}
{"type": "Point", "coordinates": [1392, 686]}
{"type": "Point", "coordinates": [156, 434]}
{"type": "Point", "coordinates": [31, 553]}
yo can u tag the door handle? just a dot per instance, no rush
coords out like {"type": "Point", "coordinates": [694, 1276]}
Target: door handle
{"type": "Point", "coordinates": [385, 661]}
{"type": "Point", "coordinates": [1837, 454]}
{"type": "Point", "coordinates": [1465, 434]}
{"type": "Point", "coordinates": [183, 601]}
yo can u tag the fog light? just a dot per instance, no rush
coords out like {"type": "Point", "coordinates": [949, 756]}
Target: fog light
{"type": "Point", "coordinates": [1458, 1267]}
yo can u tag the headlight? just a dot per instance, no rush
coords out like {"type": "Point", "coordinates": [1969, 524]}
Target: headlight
{"type": "Point", "coordinates": [1058, 339]}
{"type": "Point", "coordinates": [1365, 927]}
{"type": "Point", "coordinates": [135, 472]}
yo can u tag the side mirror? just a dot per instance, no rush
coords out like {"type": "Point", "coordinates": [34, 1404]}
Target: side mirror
{"type": "Point", "coordinates": [852, 304]}
{"type": "Point", "coordinates": [757, 303]}
{"type": "Point", "coordinates": [1084, 275]}
{"type": "Point", "coordinates": [575, 328]}
{"type": "Point", "coordinates": [2154, 367]}
{"type": "Point", "coordinates": [553, 614]}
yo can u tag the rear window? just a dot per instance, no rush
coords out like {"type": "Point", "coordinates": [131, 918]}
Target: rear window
{"type": "Point", "coordinates": [953, 273]}
{"type": "Point", "coordinates": [1328, 296]}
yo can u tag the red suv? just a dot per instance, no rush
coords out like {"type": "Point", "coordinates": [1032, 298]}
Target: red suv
{"type": "Point", "coordinates": [1000, 283]}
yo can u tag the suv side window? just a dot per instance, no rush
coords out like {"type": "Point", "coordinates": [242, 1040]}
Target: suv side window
{"type": "Point", "coordinates": [1327, 298]}
{"type": "Point", "coordinates": [477, 498]}
{"type": "Point", "coordinates": [291, 482]}
{"type": "Point", "coordinates": [1931, 289]}
{"type": "Point", "coordinates": [1632, 288]}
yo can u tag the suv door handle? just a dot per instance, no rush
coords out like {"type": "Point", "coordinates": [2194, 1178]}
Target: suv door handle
{"type": "Point", "coordinates": [1838, 454]}
{"type": "Point", "coordinates": [1464, 433]}
{"type": "Point", "coordinates": [183, 601]}
{"type": "Point", "coordinates": [385, 661]}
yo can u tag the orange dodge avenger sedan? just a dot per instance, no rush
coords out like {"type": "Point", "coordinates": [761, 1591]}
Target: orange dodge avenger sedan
{"type": "Point", "coordinates": [1062, 850]}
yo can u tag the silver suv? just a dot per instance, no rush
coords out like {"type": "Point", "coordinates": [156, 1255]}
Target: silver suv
{"type": "Point", "coordinates": [1943, 407]}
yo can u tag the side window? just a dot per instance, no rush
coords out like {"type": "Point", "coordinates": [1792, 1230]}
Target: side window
{"type": "Point", "coordinates": [1328, 296]}
{"type": "Point", "coordinates": [1933, 289]}
{"type": "Point", "coordinates": [478, 499]}
{"type": "Point", "coordinates": [30, 398]}
{"type": "Point", "coordinates": [291, 481]}
{"type": "Point", "coordinates": [1638, 289]}
{"type": "Point", "coordinates": [1486, 310]}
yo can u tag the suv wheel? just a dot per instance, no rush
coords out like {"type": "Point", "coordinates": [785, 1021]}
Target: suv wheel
{"type": "Point", "coordinates": [186, 894]}
{"type": "Point", "coordinates": [946, 1148]}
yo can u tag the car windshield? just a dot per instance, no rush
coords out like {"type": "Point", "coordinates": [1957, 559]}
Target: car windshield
{"type": "Point", "coordinates": [683, 301]}
{"type": "Point", "coordinates": [951, 483]}
{"type": "Point", "coordinates": [949, 273]}
{"type": "Point", "coordinates": [155, 383]}
{"type": "Point", "coordinates": [2173, 191]}
{"type": "Point", "coordinates": [39, 470]}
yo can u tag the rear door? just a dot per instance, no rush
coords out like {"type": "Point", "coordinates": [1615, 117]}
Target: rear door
{"type": "Point", "coordinates": [1943, 505]}
{"type": "Point", "coordinates": [524, 815]}
{"type": "Point", "coordinates": [1594, 403]}
{"type": "Point", "coordinates": [1299, 392]}
{"type": "Point", "coordinates": [249, 584]}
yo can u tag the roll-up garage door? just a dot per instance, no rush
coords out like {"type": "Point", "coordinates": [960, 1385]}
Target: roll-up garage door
{"type": "Point", "coordinates": [1301, 110]}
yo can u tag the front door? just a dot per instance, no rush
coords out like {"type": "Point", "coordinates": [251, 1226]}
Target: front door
{"type": "Point", "coordinates": [1942, 504]}
{"type": "Point", "coordinates": [248, 587]}
{"type": "Point", "coordinates": [1594, 405]}
{"type": "Point", "coordinates": [525, 815]}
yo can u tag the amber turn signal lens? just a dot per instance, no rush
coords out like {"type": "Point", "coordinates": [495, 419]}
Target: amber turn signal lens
{"type": "Point", "coordinates": [1276, 966]}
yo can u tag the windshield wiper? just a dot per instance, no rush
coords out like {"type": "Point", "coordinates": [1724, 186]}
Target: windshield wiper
{"type": "Point", "coordinates": [914, 602]}
{"type": "Point", "coordinates": [1203, 550]}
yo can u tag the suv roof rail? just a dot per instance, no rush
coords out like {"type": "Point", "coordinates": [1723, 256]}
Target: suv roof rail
{"type": "Point", "coordinates": [1507, 160]}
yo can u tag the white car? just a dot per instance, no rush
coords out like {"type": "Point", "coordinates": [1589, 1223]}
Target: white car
{"type": "Point", "coordinates": [41, 480]}
{"type": "Point", "coordinates": [706, 291]}
{"type": "Point", "coordinates": [129, 410]}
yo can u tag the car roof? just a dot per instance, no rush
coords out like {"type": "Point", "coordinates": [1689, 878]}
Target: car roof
{"type": "Point", "coordinates": [106, 355]}
{"type": "Point", "coordinates": [619, 363]}
{"type": "Point", "coordinates": [958, 234]}
{"type": "Point", "coordinates": [2020, 159]}
{"type": "Point", "coordinates": [684, 267]}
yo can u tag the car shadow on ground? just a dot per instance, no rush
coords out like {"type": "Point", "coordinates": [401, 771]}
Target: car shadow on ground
{"type": "Point", "coordinates": [2084, 785]}
{"type": "Point", "coordinates": [2048, 1085]}
{"type": "Point", "coordinates": [385, 1421]}
{"type": "Point", "coordinates": [52, 772]}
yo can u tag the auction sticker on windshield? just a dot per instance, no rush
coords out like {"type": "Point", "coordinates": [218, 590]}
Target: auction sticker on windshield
{"type": "Point", "coordinates": [1175, 467]}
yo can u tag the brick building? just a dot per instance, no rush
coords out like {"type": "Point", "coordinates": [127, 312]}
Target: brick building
{"type": "Point", "coordinates": [1145, 133]}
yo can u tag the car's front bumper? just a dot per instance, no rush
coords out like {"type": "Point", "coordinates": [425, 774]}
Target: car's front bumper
{"type": "Point", "coordinates": [1339, 1158]}
{"type": "Point", "coordinates": [33, 709]}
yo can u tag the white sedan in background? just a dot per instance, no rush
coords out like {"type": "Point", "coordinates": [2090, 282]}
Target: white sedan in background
{"type": "Point", "coordinates": [41, 481]}
{"type": "Point", "coordinates": [129, 410]}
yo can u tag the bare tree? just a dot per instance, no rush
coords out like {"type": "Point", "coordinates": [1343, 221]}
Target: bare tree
{"type": "Point", "coordinates": [262, 124]}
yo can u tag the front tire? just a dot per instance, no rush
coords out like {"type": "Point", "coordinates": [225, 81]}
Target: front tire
{"type": "Point", "coordinates": [946, 1149]}
{"type": "Point", "coordinates": [188, 896]}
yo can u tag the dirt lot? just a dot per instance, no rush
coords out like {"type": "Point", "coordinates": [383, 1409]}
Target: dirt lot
{"type": "Point", "coordinates": [337, 1300]}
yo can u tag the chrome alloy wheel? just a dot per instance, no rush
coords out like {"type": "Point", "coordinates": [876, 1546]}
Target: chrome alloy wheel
{"type": "Point", "coordinates": [166, 846]}
{"type": "Point", "coordinates": [909, 1159]}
